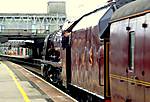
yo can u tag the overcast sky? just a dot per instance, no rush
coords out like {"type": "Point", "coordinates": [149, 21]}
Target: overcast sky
{"type": "Point", "coordinates": [73, 7]}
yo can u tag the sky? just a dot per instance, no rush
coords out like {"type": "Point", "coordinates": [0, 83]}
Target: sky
{"type": "Point", "coordinates": [74, 8]}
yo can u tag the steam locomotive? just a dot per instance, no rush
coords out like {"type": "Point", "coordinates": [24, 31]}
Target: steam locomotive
{"type": "Point", "coordinates": [104, 55]}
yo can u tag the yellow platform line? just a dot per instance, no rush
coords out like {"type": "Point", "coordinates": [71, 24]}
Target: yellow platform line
{"type": "Point", "coordinates": [23, 93]}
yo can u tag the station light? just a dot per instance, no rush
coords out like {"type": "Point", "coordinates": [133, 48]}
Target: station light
{"type": "Point", "coordinates": [29, 41]}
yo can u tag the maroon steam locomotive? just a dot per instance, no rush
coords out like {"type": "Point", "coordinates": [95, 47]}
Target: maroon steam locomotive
{"type": "Point", "coordinates": [104, 55]}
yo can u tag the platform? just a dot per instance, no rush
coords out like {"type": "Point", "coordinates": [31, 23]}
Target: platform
{"type": "Point", "coordinates": [20, 85]}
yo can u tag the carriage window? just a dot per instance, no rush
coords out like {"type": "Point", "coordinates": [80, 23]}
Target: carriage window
{"type": "Point", "coordinates": [131, 50]}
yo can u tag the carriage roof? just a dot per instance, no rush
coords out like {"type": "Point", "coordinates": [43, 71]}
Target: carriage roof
{"type": "Point", "coordinates": [132, 9]}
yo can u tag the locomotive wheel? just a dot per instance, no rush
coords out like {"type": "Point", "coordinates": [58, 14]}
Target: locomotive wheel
{"type": "Point", "coordinates": [54, 77]}
{"type": "Point", "coordinates": [45, 74]}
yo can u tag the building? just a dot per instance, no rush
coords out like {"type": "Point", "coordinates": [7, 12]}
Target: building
{"type": "Point", "coordinates": [33, 23]}
{"type": "Point", "coordinates": [31, 26]}
{"type": "Point", "coordinates": [55, 7]}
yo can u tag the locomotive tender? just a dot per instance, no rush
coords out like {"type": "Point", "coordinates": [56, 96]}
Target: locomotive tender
{"type": "Point", "coordinates": [80, 67]}
{"type": "Point", "coordinates": [104, 55]}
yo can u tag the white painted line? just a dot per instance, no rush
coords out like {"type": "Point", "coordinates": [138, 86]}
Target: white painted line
{"type": "Point", "coordinates": [51, 85]}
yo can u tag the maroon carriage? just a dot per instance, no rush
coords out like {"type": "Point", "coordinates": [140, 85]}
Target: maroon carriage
{"type": "Point", "coordinates": [130, 53]}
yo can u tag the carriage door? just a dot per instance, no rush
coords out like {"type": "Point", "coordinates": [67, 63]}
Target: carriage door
{"type": "Point", "coordinates": [135, 62]}
{"type": "Point", "coordinates": [146, 72]}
